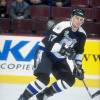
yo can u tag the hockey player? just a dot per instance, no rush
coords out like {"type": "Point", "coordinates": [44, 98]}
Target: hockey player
{"type": "Point", "coordinates": [66, 39]}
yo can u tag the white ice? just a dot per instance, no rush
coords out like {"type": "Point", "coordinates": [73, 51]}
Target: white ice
{"type": "Point", "coordinates": [13, 91]}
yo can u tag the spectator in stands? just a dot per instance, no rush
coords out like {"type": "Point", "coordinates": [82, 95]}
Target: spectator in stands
{"type": "Point", "coordinates": [3, 9]}
{"type": "Point", "coordinates": [19, 10]}
{"type": "Point", "coordinates": [34, 2]}
{"type": "Point", "coordinates": [62, 3]}
{"type": "Point", "coordinates": [58, 3]}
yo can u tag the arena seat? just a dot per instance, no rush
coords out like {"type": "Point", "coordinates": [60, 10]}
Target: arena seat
{"type": "Point", "coordinates": [4, 25]}
{"type": "Point", "coordinates": [42, 11]}
{"type": "Point", "coordinates": [91, 3]}
{"type": "Point", "coordinates": [97, 14]}
{"type": "Point", "coordinates": [80, 3]}
{"type": "Point", "coordinates": [40, 24]}
{"type": "Point", "coordinates": [64, 13]}
{"type": "Point", "coordinates": [92, 29]}
{"type": "Point", "coordinates": [89, 13]}
{"type": "Point", "coordinates": [23, 26]}
{"type": "Point", "coordinates": [96, 3]}
{"type": "Point", "coordinates": [61, 12]}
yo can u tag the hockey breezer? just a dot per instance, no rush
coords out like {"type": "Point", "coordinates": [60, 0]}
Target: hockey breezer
{"type": "Point", "coordinates": [91, 95]}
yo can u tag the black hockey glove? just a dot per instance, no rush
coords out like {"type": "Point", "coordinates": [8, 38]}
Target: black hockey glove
{"type": "Point", "coordinates": [66, 51]}
{"type": "Point", "coordinates": [78, 72]}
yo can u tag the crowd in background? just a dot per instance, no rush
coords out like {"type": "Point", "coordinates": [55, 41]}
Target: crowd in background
{"type": "Point", "coordinates": [59, 3]}
{"type": "Point", "coordinates": [20, 9]}
{"type": "Point", "coordinates": [3, 9]}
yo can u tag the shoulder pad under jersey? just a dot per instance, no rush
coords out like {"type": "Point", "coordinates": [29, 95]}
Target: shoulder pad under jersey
{"type": "Point", "coordinates": [61, 26]}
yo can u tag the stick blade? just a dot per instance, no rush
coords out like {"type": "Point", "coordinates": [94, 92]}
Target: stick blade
{"type": "Point", "coordinates": [96, 94]}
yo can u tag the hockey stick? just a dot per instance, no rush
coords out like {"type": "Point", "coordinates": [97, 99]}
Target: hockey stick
{"type": "Point", "coordinates": [91, 95]}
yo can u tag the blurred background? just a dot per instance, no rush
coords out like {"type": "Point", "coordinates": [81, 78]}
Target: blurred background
{"type": "Point", "coordinates": [25, 22]}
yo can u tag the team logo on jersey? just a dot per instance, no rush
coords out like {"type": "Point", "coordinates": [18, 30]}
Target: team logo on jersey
{"type": "Point", "coordinates": [66, 33]}
{"type": "Point", "coordinates": [68, 40]}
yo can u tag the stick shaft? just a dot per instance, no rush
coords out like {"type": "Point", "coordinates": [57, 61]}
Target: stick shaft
{"type": "Point", "coordinates": [87, 89]}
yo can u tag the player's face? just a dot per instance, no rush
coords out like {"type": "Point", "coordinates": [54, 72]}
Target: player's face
{"type": "Point", "coordinates": [77, 21]}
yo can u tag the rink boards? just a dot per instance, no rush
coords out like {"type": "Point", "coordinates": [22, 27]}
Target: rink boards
{"type": "Point", "coordinates": [17, 60]}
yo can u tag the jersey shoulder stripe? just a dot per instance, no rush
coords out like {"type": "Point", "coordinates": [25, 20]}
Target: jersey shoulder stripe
{"type": "Point", "coordinates": [61, 26]}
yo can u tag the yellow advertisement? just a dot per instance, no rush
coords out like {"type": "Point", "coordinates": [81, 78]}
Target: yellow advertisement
{"type": "Point", "coordinates": [14, 70]}
{"type": "Point", "coordinates": [91, 64]}
{"type": "Point", "coordinates": [91, 59]}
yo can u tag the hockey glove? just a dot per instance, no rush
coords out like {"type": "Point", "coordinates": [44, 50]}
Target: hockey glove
{"type": "Point", "coordinates": [78, 72]}
{"type": "Point", "coordinates": [66, 51]}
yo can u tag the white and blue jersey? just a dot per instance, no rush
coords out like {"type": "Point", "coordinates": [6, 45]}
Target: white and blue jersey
{"type": "Point", "coordinates": [49, 60]}
{"type": "Point", "coordinates": [62, 33]}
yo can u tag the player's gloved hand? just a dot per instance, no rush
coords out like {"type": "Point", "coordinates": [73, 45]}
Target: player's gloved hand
{"type": "Point", "coordinates": [78, 72]}
{"type": "Point", "coordinates": [66, 51]}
